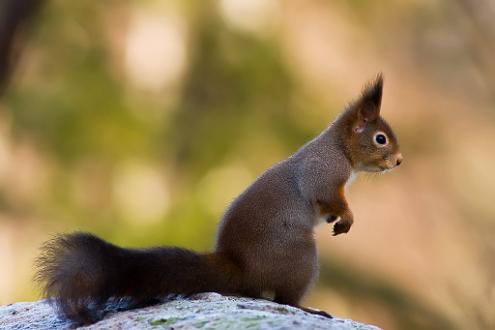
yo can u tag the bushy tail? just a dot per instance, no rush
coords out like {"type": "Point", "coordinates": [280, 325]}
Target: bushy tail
{"type": "Point", "coordinates": [79, 272]}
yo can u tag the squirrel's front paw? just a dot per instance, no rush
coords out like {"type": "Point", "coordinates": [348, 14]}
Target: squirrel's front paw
{"type": "Point", "coordinates": [342, 226]}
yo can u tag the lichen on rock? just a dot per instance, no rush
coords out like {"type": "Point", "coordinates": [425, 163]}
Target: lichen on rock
{"type": "Point", "coordinates": [201, 311]}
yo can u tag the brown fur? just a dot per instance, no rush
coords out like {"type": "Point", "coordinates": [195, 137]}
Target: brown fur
{"type": "Point", "coordinates": [265, 240]}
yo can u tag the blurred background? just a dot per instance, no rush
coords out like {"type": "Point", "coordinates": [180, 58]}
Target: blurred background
{"type": "Point", "coordinates": [141, 120]}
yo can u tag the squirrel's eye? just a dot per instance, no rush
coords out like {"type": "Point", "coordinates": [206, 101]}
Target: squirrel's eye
{"type": "Point", "coordinates": [380, 139]}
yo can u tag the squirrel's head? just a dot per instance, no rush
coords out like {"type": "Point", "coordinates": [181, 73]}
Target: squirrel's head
{"type": "Point", "coordinates": [370, 143]}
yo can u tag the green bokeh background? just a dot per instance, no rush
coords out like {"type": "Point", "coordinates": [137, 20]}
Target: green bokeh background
{"type": "Point", "coordinates": [85, 145]}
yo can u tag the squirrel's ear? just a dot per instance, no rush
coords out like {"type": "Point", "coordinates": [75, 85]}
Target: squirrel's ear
{"type": "Point", "coordinates": [371, 99]}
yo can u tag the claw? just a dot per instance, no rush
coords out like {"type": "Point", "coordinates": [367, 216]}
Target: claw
{"type": "Point", "coordinates": [316, 312]}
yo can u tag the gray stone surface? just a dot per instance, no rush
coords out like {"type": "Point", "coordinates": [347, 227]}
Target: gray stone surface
{"type": "Point", "coordinates": [202, 311]}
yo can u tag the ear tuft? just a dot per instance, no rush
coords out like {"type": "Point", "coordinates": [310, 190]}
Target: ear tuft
{"type": "Point", "coordinates": [372, 92]}
{"type": "Point", "coordinates": [371, 99]}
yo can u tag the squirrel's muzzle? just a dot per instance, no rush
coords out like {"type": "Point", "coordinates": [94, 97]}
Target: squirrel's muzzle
{"type": "Point", "coordinates": [398, 159]}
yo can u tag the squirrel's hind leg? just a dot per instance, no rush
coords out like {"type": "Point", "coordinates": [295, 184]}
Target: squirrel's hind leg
{"type": "Point", "coordinates": [292, 296]}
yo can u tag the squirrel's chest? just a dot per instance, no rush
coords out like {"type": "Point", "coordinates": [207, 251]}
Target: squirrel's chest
{"type": "Point", "coordinates": [351, 179]}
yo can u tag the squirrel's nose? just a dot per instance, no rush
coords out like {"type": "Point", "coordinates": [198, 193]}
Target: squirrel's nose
{"type": "Point", "coordinates": [399, 160]}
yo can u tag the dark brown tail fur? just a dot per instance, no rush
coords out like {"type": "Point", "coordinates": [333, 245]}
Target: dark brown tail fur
{"type": "Point", "coordinates": [80, 272]}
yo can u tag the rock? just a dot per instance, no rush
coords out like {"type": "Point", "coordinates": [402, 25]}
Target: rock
{"type": "Point", "coordinates": [201, 311]}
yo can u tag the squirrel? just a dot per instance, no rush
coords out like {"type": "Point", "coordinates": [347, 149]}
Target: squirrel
{"type": "Point", "coordinates": [265, 242]}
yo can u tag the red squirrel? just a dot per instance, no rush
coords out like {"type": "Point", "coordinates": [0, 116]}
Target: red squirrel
{"type": "Point", "coordinates": [265, 241]}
